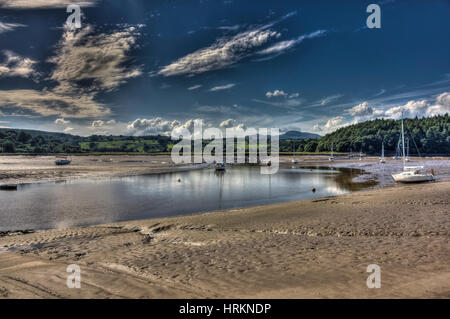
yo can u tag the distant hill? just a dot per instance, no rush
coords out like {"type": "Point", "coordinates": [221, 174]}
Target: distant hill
{"type": "Point", "coordinates": [296, 135]}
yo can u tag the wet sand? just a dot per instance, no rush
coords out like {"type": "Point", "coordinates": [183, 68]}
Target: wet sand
{"type": "Point", "coordinates": [318, 248]}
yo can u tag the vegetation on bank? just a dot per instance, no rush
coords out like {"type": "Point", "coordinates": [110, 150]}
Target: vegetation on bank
{"type": "Point", "coordinates": [431, 135]}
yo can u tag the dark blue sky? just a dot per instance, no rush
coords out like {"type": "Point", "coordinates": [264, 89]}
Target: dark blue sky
{"type": "Point", "coordinates": [146, 67]}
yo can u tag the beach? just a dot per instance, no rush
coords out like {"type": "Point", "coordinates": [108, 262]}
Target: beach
{"type": "Point", "coordinates": [314, 248]}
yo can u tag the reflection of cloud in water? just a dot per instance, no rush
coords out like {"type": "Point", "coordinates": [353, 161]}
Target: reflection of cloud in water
{"type": "Point", "coordinates": [89, 202]}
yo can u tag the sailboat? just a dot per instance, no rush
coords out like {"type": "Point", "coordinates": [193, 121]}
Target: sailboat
{"type": "Point", "coordinates": [331, 158]}
{"type": "Point", "coordinates": [360, 155]}
{"type": "Point", "coordinates": [294, 160]}
{"type": "Point", "coordinates": [412, 174]}
{"type": "Point", "coordinates": [382, 159]}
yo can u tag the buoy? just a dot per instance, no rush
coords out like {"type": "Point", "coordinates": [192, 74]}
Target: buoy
{"type": "Point", "coordinates": [313, 190]}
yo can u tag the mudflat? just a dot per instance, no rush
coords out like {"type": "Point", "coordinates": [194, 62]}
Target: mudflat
{"type": "Point", "coordinates": [318, 248]}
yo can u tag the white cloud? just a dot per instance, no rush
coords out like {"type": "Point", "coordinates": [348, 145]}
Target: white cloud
{"type": "Point", "coordinates": [98, 123]}
{"type": "Point", "coordinates": [362, 109]}
{"type": "Point", "coordinates": [276, 93]}
{"type": "Point", "coordinates": [335, 123]}
{"type": "Point", "coordinates": [231, 123]}
{"type": "Point", "coordinates": [62, 121]}
{"type": "Point", "coordinates": [195, 87]}
{"type": "Point", "coordinates": [222, 87]}
{"type": "Point", "coordinates": [43, 4]}
{"type": "Point", "coordinates": [153, 126]}
{"type": "Point", "coordinates": [6, 27]}
{"type": "Point", "coordinates": [317, 128]}
{"type": "Point", "coordinates": [227, 123]}
{"type": "Point", "coordinates": [101, 123]}
{"type": "Point", "coordinates": [419, 108]}
{"type": "Point", "coordinates": [224, 53]}
{"type": "Point", "coordinates": [281, 93]}
{"type": "Point", "coordinates": [16, 65]}
{"type": "Point", "coordinates": [68, 129]}
{"type": "Point", "coordinates": [283, 46]}
{"type": "Point", "coordinates": [47, 103]}
{"type": "Point", "coordinates": [83, 55]}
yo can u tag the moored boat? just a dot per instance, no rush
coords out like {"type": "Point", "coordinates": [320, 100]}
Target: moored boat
{"type": "Point", "coordinates": [220, 167]}
{"type": "Point", "coordinates": [412, 174]}
{"type": "Point", "coordinates": [63, 161]}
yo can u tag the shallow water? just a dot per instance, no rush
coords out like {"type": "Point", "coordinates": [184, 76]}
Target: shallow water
{"type": "Point", "coordinates": [99, 201]}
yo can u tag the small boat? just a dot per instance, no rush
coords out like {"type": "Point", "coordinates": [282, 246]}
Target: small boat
{"type": "Point", "coordinates": [331, 158]}
{"type": "Point", "coordinates": [412, 174]}
{"type": "Point", "coordinates": [382, 159]}
{"type": "Point", "coordinates": [220, 167]}
{"type": "Point", "coordinates": [8, 187]}
{"type": "Point", "coordinates": [63, 161]}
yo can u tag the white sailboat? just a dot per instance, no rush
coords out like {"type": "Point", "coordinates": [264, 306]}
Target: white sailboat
{"type": "Point", "coordinates": [331, 158]}
{"type": "Point", "coordinates": [413, 174]}
{"type": "Point", "coordinates": [382, 159]}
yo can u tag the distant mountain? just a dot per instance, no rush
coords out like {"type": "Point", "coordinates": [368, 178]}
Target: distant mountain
{"type": "Point", "coordinates": [295, 135]}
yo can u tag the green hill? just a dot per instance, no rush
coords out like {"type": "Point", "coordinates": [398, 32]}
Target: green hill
{"type": "Point", "coordinates": [431, 135]}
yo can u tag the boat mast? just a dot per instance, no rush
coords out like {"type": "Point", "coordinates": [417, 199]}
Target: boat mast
{"type": "Point", "coordinates": [403, 142]}
{"type": "Point", "coordinates": [293, 149]}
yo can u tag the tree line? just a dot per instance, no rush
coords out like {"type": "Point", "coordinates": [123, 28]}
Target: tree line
{"type": "Point", "coordinates": [430, 135]}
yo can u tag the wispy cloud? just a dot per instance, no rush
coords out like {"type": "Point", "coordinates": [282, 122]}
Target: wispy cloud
{"type": "Point", "coordinates": [97, 59]}
{"type": "Point", "coordinates": [47, 103]}
{"type": "Point", "coordinates": [195, 87]}
{"type": "Point", "coordinates": [16, 65]}
{"type": "Point", "coordinates": [329, 99]}
{"type": "Point", "coordinates": [5, 27]}
{"type": "Point", "coordinates": [225, 52]}
{"type": "Point", "coordinates": [222, 87]}
{"type": "Point", "coordinates": [283, 46]}
{"type": "Point", "coordinates": [43, 4]}
{"type": "Point", "coordinates": [86, 63]}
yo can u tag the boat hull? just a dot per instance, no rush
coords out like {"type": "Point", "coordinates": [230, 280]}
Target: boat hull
{"type": "Point", "coordinates": [63, 162]}
{"type": "Point", "coordinates": [416, 178]}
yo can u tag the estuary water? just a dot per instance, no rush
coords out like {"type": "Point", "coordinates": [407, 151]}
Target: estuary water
{"type": "Point", "coordinates": [86, 202]}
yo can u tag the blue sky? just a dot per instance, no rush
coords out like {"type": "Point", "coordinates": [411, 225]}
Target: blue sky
{"type": "Point", "coordinates": [148, 67]}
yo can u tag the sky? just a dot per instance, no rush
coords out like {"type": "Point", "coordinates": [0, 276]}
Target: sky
{"type": "Point", "coordinates": [138, 67]}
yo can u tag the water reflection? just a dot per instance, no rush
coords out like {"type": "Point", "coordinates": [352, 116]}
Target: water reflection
{"type": "Point", "coordinates": [89, 202]}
